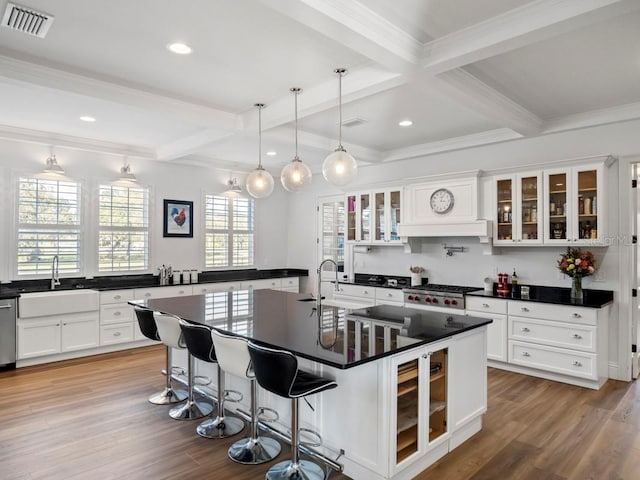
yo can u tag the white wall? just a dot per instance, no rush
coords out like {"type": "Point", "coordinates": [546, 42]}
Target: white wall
{"type": "Point", "coordinates": [166, 181]}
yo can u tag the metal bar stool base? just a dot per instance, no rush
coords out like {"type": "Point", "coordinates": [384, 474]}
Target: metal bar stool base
{"type": "Point", "coordinates": [220, 427]}
{"type": "Point", "coordinates": [305, 470]}
{"type": "Point", "coordinates": [250, 451]}
{"type": "Point", "coordinates": [191, 411]}
{"type": "Point", "coordinates": [168, 396]}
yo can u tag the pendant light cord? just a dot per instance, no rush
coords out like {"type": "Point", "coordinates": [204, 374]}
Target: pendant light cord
{"type": "Point", "coordinates": [260, 106]}
{"type": "Point", "coordinates": [296, 91]}
{"type": "Point", "coordinates": [340, 108]}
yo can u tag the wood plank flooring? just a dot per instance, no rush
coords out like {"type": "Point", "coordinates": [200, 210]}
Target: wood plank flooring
{"type": "Point", "coordinates": [89, 419]}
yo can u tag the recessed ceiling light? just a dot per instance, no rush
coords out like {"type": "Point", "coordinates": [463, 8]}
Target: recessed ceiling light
{"type": "Point", "coordinates": [179, 48]}
{"type": "Point", "coordinates": [87, 118]}
{"type": "Point", "coordinates": [272, 153]}
{"type": "Point", "coordinates": [405, 123]}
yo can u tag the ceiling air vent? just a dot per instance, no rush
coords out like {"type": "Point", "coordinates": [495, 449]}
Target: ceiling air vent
{"type": "Point", "coordinates": [353, 122]}
{"type": "Point", "coordinates": [27, 20]}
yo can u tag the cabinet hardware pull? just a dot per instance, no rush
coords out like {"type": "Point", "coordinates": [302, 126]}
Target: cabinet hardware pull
{"type": "Point", "coordinates": [117, 297]}
{"type": "Point", "coordinates": [575, 335]}
{"type": "Point", "coordinates": [526, 354]}
{"type": "Point", "coordinates": [57, 324]}
{"type": "Point", "coordinates": [204, 290]}
{"type": "Point", "coordinates": [525, 329]}
{"type": "Point", "coordinates": [5, 306]}
{"type": "Point", "coordinates": [485, 305]}
{"type": "Point", "coordinates": [425, 356]}
{"type": "Point", "coordinates": [389, 295]}
{"type": "Point", "coordinates": [116, 314]}
{"type": "Point", "coordinates": [365, 292]}
{"type": "Point", "coordinates": [181, 292]}
{"type": "Point", "coordinates": [577, 364]}
{"type": "Point", "coordinates": [147, 294]}
{"type": "Point", "coordinates": [524, 309]}
{"type": "Point", "coordinates": [576, 315]}
{"type": "Point", "coordinates": [116, 334]}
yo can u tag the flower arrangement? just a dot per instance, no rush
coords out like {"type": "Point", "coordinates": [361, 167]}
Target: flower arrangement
{"type": "Point", "coordinates": [576, 263]}
{"type": "Point", "coordinates": [416, 269]}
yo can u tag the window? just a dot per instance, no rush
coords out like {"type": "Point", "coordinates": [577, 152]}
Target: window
{"type": "Point", "coordinates": [229, 232]}
{"type": "Point", "coordinates": [48, 225]}
{"type": "Point", "coordinates": [123, 237]}
{"type": "Point", "coordinates": [331, 228]}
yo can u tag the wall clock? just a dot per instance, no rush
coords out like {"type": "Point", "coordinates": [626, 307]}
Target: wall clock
{"type": "Point", "coordinates": [441, 201]}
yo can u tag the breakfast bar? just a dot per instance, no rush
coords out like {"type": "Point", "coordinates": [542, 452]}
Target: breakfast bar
{"type": "Point", "coordinates": [411, 383]}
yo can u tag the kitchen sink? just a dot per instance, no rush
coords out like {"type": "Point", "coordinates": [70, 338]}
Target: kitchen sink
{"type": "Point", "coordinates": [56, 302]}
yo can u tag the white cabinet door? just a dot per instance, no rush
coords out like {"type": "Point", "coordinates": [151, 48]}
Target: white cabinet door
{"type": "Point", "coordinates": [79, 331]}
{"type": "Point", "coordinates": [497, 335]}
{"type": "Point", "coordinates": [272, 283]}
{"type": "Point", "coordinates": [201, 288]}
{"type": "Point", "coordinates": [38, 337]}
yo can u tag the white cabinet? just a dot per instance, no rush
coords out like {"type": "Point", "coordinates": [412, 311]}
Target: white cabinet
{"type": "Point", "coordinates": [118, 323]}
{"type": "Point", "coordinates": [42, 336]}
{"type": "Point", "coordinates": [389, 296]}
{"type": "Point", "coordinates": [518, 209]}
{"type": "Point", "coordinates": [373, 216]}
{"type": "Point", "coordinates": [366, 296]}
{"type": "Point", "coordinates": [574, 205]}
{"type": "Point", "coordinates": [496, 310]}
{"type": "Point", "coordinates": [561, 342]}
{"type": "Point", "coordinates": [201, 288]}
{"type": "Point", "coordinates": [290, 284]}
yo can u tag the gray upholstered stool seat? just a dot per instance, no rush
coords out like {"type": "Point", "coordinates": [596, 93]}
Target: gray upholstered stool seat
{"type": "Point", "coordinates": [149, 329]}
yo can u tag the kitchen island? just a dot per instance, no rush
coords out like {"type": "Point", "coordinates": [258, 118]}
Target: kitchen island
{"type": "Point", "coordinates": [411, 383]}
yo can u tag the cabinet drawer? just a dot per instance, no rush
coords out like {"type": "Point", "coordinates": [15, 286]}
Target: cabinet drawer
{"type": "Point", "coordinates": [356, 291]}
{"type": "Point", "coordinates": [555, 334]}
{"type": "Point", "coordinates": [215, 287]}
{"type": "Point", "coordinates": [482, 304]}
{"type": "Point", "coordinates": [261, 284]}
{"type": "Point", "coordinates": [291, 283]}
{"type": "Point", "coordinates": [117, 313]}
{"type": "Point", "coordinates": [389, 295]}
{"type": "Point", "coordinates": [162, 292]}
{"type": "Point", "coordinates": [547, 311]}
{"type": "Point", "coordinates": [116, 296]}
{"type": "Point", "coordinates": [118, 333]}
{"type": "Point", "coordinates": [573, 363]}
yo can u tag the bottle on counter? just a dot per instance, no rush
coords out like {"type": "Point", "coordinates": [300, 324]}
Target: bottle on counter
{"type": "Point", "coordinates": [514, 278]}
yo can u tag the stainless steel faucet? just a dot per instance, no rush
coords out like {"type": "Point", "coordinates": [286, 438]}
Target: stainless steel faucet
{"type": "Point", "coordinates": [55, 276]}
{"type": "Point", "coordinates": [319, 297]}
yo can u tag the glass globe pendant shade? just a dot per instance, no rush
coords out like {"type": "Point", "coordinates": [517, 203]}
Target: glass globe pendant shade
{"type": "Point", "coordinates": [339, 168]}
{"type": "Point", "coordinates": [259, 183]}
{"type": "Point", "coordinates": [295, 176]}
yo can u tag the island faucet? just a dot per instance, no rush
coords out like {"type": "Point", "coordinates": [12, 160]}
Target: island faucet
{"type": "Point", "coordinates": [319, 297]}
{"type": "Point", "coordinates": [55, 277]}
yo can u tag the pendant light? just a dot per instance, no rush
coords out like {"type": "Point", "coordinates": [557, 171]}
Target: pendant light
{"type": "Point", "coordinates": [296, 175]}
{"type": "Point", "coordinates": [339, 167]}
{"type": "Point", "coordinates": [259, 182]}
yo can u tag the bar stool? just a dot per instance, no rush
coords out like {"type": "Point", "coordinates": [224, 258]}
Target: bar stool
{"type": "Point", "coordinates": [277, 371]}
{"type": "Point", "coordinates": [233, 358]}
{"type": "Point", "coordinates": [199, 343]}
{"type": "Point", "coordinates": [150, 330]}
{"type": "Point", "coordinates": [171, 335]}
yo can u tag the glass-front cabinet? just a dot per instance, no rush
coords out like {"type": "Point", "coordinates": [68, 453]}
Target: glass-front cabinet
{"type": "Point", "coordinates": [573, 205]}
{"type": "Point", "coordinates": [373, 217]}
{"type": "Point", "coordinates": [518, 206]}
{"type": "Point", "coordinates": [422, 403]}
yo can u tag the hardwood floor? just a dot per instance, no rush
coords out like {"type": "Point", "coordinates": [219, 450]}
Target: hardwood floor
{"type": "Point", "coordinates": [89, 418]}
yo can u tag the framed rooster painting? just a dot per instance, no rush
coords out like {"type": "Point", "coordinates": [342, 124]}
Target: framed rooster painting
{"type": "Point", "coordinates": [178, 219]}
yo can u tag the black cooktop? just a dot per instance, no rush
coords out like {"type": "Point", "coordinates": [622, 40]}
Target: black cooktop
{"type": "Point", "coordinates": [435, 287]}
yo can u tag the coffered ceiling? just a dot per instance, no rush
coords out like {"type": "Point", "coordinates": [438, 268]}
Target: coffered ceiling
{"type": "Point", "coordinates": [465, 72]}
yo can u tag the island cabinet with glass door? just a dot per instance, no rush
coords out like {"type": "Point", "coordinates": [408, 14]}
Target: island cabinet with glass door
{"type": "Point", "coordinates": [373, 216]}
{"type": "Point", "coordinates": [518, 207]}
{"type": "Point", "coordinates": [574, 205]}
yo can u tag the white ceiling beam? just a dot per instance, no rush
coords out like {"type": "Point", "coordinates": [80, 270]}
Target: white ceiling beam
{"type": "Point", "coordinates": [76, 143]}
{"type": "Point", "coordinates": [480, 97]}
{"type": "Point", "coordinates": [516, 28]}
{"type": "Point", "coordinates": [191, 144]}
{"type": "Point", "coordinates": [18, 70]}
{"type": "Point", "coordinates": [621, 113]}
{"type": "Point", "coordinates": [352, 24]}
{"type": "Point", "coordinates": [451, 144]}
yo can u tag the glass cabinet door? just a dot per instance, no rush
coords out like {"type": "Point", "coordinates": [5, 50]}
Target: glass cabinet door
{"type": "Point", "coordinates": [380, 207]}
{"type": "Point", "coordinates": [438, 401]}
{"type": "Point", "coordinates": [365, 217]}
{"type": "Point", "coordinates": [529, 209]}
{"type": "Point", "coordinates": [587, 189]}
{"type": "Point", "coordinates": [351, 218]}
{"type": "Point", "coordinates": [504, 217]}
{"type": "Point", "coordinates": [557, 205]}
{"type": "Point", "coordinates": [394, 219]}
{"type": "Point", "coordinates": [408, 402]}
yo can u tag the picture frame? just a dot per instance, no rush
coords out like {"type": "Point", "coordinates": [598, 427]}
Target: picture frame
{"type": "Point", "coordinates": [178, 219]}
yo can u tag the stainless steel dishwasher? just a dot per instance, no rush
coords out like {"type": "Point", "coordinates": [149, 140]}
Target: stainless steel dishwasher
{"type": "Point", "coordinates": [8, 333]}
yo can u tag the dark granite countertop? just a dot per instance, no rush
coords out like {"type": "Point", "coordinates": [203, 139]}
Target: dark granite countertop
{"type": "Point", "coordinates": [554, 295]}
{"type": "Point", "coordinates": [6, 293]}
{"type": "Point", "coordinates": [289, 321]}
{"type": "Point", "coordinates": [122, 282]}
{"type": "Point", "coordinates": [382, 281]}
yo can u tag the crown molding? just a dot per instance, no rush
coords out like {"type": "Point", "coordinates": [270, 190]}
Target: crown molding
{"type": "Point", "coordinates": [77, 143]}
{"type": "Point", "coordinates": [516, 28]}
{"type": "Point", "coordinates": [451, 144]}
{"type": "Point", "coordinates": [23, 71]}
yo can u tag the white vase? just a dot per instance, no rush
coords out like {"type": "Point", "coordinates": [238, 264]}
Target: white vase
{"type": "Point", "coordinates": [416, 279]}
